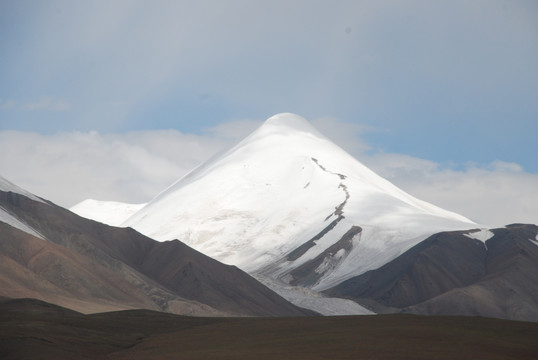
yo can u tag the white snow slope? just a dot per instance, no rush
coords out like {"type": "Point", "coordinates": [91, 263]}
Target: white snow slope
{"type": "Point", "coordinates": [8, 186]}
{"type": "Point", "coordinates": [108, 212]}
{"type": "Point", "coordinates": [11, 219]}
{"type": "Point", "coordinates": [255, 204]}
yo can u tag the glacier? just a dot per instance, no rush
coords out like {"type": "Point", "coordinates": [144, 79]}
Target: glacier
{"type": "Point", "coordinates": [283, 203]}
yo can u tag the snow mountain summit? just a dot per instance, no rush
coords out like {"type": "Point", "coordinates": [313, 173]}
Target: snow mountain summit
{"type": "Point", "coordinates": [290, 208]}
{"type": "Point", "coordinates": [315, 225]}
{"type": "Point", "coordinates": [288, 204]}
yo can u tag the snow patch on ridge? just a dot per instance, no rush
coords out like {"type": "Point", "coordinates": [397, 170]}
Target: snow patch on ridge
{"type": "Point", "coordinates": [7, 186]}
{"type": "Point", "coordinates": [10, 219]}
{"type": "Point", "coordinates": [481, 234]}
{"type": "Point", "coordinates": [535, 242]}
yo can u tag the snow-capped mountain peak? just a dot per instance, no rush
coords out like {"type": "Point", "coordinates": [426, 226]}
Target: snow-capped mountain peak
{"type": "Point", "coordinates": [288, 203]}
{"type": "Point", "coordinates": [285, 123]}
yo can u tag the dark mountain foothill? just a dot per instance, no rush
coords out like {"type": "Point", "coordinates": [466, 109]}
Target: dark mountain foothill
{"type": "Point", "coordinates": [90, 267]}
{"type": "Point", "coordinates": [450, 273]}
{"type": "Point", "coordinates": [32, 329]}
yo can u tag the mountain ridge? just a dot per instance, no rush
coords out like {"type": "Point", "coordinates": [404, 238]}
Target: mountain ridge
{"type": "Point", "coordinates": [299, 214]}
{"type": "Point", "coordinates": [90, 266]}
{"type": "Point", "coordinates": [452, 273]}
{"type": "Point", "coordinates": [287, 187]}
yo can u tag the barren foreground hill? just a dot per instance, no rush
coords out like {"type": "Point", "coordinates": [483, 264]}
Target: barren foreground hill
{"type": "Point", "coordinates": [31, 329]}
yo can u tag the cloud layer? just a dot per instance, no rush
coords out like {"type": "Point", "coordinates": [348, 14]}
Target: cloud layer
{"type": "Point", "coordinates": [496, 194]}
{"type": "Point", "coordinates": [134, 167]}
{"type": "Point", "coordinates": [444, 78]}
{"type": "Point", "coordinates": [453, 85]}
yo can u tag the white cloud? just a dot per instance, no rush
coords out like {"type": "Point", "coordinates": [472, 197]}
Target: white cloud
{"type": "Point", "coordinates": [504, 166]}
{"type": "Point", "coordinates": [48, 103]}
{"type": "Point", "coordinates": [69, 167]}
{"type": "Point", "coordinates": [7, 104]}
{"type": "Point", "coordinates": [345, 134]}
{"type": "Point", "coordinates": [134, 167]}
{"type": "Point", "coordinates": [496, 194]}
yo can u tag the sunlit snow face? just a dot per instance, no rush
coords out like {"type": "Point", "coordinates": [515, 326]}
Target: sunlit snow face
{"type": "Point", "coordinates": [284, 186]}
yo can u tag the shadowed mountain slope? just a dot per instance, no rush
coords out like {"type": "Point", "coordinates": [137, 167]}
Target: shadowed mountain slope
{"type": "Point", "coordinates": [83, 261]}
{"type": "Point", "coordinates": [451, 273]}
{"type": "Point", "coordinates": [32, 267]}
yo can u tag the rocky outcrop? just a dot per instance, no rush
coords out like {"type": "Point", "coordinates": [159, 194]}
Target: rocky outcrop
{"type": "Point", "coordinates": [450, 273]}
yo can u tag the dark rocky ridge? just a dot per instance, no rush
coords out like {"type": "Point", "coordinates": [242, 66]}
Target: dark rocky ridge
{"type": "Point", "coordinates": [302, 249]}
{"type": "Point", "coordinates": [32, 267]}
{"type": "Point", "coordinates": [305, 274]}
{"type": "Point", "coordinates": [83, 256]}
{"type": "Point", "coordinates": [450, 273]}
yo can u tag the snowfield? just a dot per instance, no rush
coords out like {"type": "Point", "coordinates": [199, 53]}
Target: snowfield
{"type": "Point", "coordinates": [286, 199]}
{"type": "Point", "coordinates": [310, 299]}
{"type": "Point", "coordinates": [108, 212]}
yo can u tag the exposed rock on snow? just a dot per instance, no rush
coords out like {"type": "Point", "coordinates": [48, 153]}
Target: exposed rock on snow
{"type": "Point", "coordinates": [280, 201]}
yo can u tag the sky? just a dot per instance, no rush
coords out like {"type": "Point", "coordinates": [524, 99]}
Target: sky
{"type": "Point", "coordinates": [115, 100]}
